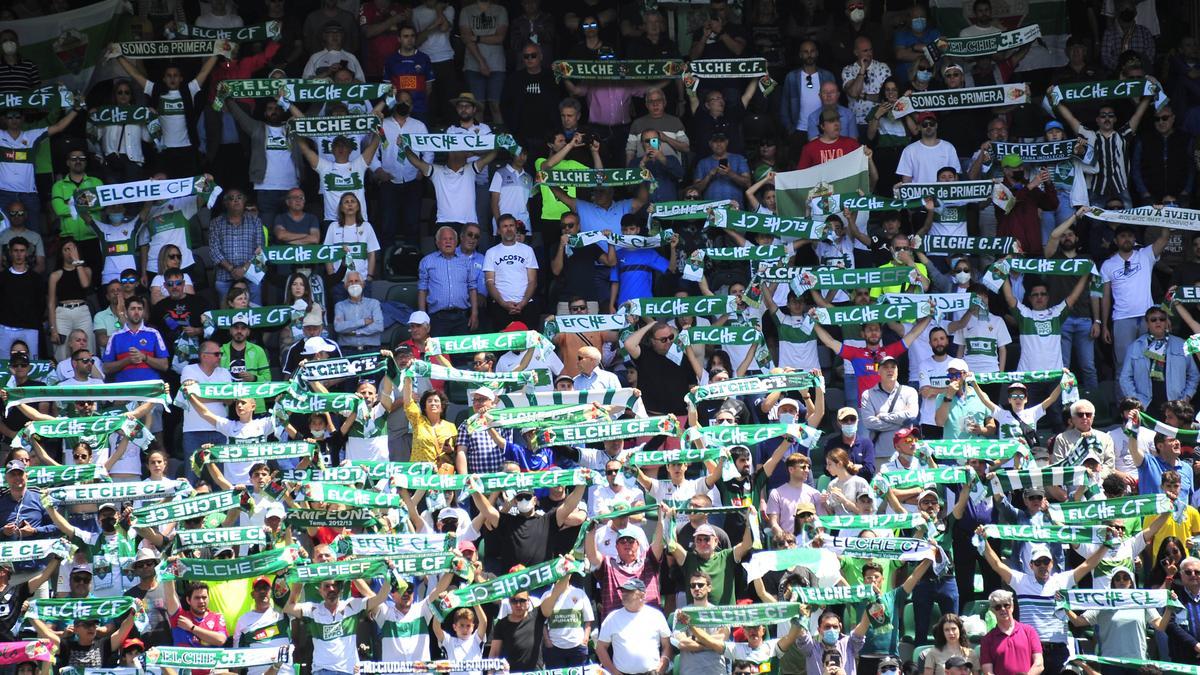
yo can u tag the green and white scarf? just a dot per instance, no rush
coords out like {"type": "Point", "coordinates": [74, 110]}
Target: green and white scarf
{"type": "Point", "coordinates": [352, 518]}
{"type": "Point", "coordinates": [407, 667]}
{"type": "Point", "coordinates": [759, 614]}
{"type": "Point", "coordinates": [514, 341]}
{"type": "Point", "coordinates": [312, 254]}
{"type": "Point", "coordinates": [473, 143]}
{"type": "Point", "coordinates": [185, 509]}
{"type": "Point", "coordinates": [1135, 664]}
{"type": "Point", "coordinates": [863, 314]}
{"type": "Point", "coordinates": [256, 452]}
{"type": "Point", "coordinates": [944, 303]}
{"type": "Point", "coordinates": [985, 449]}
{"type": "Point", "coordinates": [680, 456]}
{"type": "Point", "coordinates": [729, 68]}
{"type": "Point", "coordinates": [837, 595]}
{"type": "Point", "coordinates": [769, 253]}
{"type": "Point", "coordinates": [232, 391]}
{"type": "Point", "coordinates": [593, 178]}
{"type": "Point", "coordinates": [254, 317]}
{"type": "Point", "coordinates": [687, 210]}
{"type": "Point", "coordinates": [1188, 436]}
{"type": "Point", "coordinates": [826, 205]}
{"type": "Point", "coordinates": [966, 98]}
{"type": "Point", "coordinates": [719, 335]}
{"type": "Point", "coordinates": [113, 115]}
{"type": "Point", "coordinates": [618, 69]}
{"type": "Point", "coordinates": [71, 427]}
{"type": "Point", "coordinates": [1007, 480]}
{"type": "Point", "coordinates": [891, 548]}
{"type": "Point", "coordinates": [143, 191]}
{"type": "Point", "coordinates": [488, 483]}
{"type": "Point", "coordinates": [874, 521]}
{"type": "Point", "coordinates": [783, 559]}
{"type": "Point", "coordinates": [141, 392]}
{"type": "Point", "coordinates": [1026, 376]}
{"type": "Point", "coordinates": [397, 544]}
{"type": "Point", "coordinates": [164, 49]}
{"type": "Point", "coordinates": [1171, 217]}
{"type": "Point", "coordinates": [1049, 534]}
{"type": "Point", "coordinates": [256, 33]}
{"type": "Point", "coordinates": [624, 398]}
{"type": "Point", "coordinates": [206, 569]}
{"type": "Point", "coordinates": [333, 125]}
{"type": "Point", "coordinates": [1103, 510]}
{"type": "Point", "coordinates": [584, 323]}
{"type": "Point", "coordinates": [995, 275]}
{"type": "Point", "coordinates": [221, 536]}
{"type": "Point", "coordinates": [981, 45]}
{"type": "Point", "coordinates": [504, 418]}
{"type": "Point", "coordinates": [956, 191]}
{"type": "Point", "coordinates": [593, 432]}
{"type": "Point", "coordinates": [200, 658]}
{"type": "Point", "coordinates": [695, 305]}
{"type": "Point", "coordinates": [346, 475]}
{"type": "Point", "coordinates": [528, 579]}
{"type": "Point", "coordinates": [433, 482]}
{"type": "Point", "coordinates": [756, 384]}
{"type": "Point", "coordinates": [751, 434]}
{"type": "Point", "coordinates": [99, 493]}
{"type": "Point", "coordinates": [299, 91]}
{"type": "Point", "coordinates": [946, 475]}
{"type": "Point", "coordinates": [80, 609]}
{"type": "Point", "coordinates": [35, 549]}
{"type": "Point", "coordinates": [308, 402]}
{"type": "Point", "coordinates": [359, 365]}
{"type": "Point", "coordinates": [761, 223]}
{"type": "Point", "coordinates": [383, 470]}
{"type": "Point", "coordinates": [342, 570]}
{"type": "Point", "coordinates": [831, 278]}
{"type": "Point", "coordinates": [51, 97]}
{"type": "Point", "coordinates": [938, 244]}
{"type": "Point", "coordinates": [1082, 599]}
{"type": "Point", "coordinates": [38, 370]}
{"type": "Point", "coordinates": [436, 371]}
{"type": "Point", "coordinates": [41, 477]}
{"type": "Point", "coordinates": [1103, 90]}
{"type": "Point", "coordinates": [331, 493]}
{"type": "Point", "coordinates": [629, 241]}
{"type": "Point", "coordinates": [1037, 153]}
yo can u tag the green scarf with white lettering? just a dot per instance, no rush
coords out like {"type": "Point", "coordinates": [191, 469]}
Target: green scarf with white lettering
{"type": "Point", "coordinates": [1136, 664]}
{"type": "Point", "coordinates": [221, 536]}
{"type": "Point", "coordinates": [155, 391]}
{"type": "Point", "coordinates": [494, 590]}
{"type": "Point", "coordinates": [41, 477]}
{"type": "Point", "coordinates": [207, 658]}
{"type": "Point", "coordinates": [356, 366]}
{"type": "Point", "coordinates": [503, 418]}
{"type": "Point", "coordinates": [81, 609]}
{"type": "Point", "coordinates": [947, 475]}
{"type": "Point", "coordinates": [254, 317]}
{"type": "Point", "coordinates": [1082, 599]}
{"type": "Point", "coordinates": [299, 91]}
{"type": "Point", "coordinates": [594, 178]}
{"type": "Point", "coordinates": [1102, 510]}
{"type": "Point", "coordinates": [756, 384]}
{"type": "Point", "coordinates": [874, 521]}
{"type": "Point", "coordinates": [186, 509]}
{"type": "Point", "coordinates": [331, 493]}
{"type": "Point", "coordinates": [35, 549]}
{"type": "Point", "coordinates": [618, 69]}
{"type": "Point", "coordinates": [99, 493]}
{"type": "Point", "coordinates": [765, 223]}
{"type": "Point", "coordinates": [759, 614]}
{"type": "Point", "coordinates": [699, 305]}
{"type": "Point", "coordinates": [1049, 534]}
{"type": "Point", "coordinates": [206, 569]}
{"type": "Point", "coordinates": [514, 341]}
{"type": "Point", "coordinates": [232, 391]}
{"type": "Point", "coordinates": [686, 210]}
{"type": "Point", "coordinates": [269, 30]}
{"type": "Point", "coordinates": [985, 449]}
{"type": "Point", "coordinates": [680, 456]}
{"type": "Point", "coordinates": [592, 432]}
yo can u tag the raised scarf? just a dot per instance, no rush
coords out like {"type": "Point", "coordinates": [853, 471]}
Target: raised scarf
{"type": "Point", "coordinates": [624, 398]}
{"type": "Point", "coordinates": [333, 125]}
{"type": "Point", "coordinates": [981, 45]}
{"type": "Point", "coordinates": [207, 569]}
{"type": "Point", "coordinates": [696, 305]}
{"type": "Point", "coordinates": [756, 384]}
{"type": "Point", "coordinates": [593, 432]}
{"type": "Point", "coordinates": [893, 548]}
{"type": "Point", "coordinates": [593, 178]}
{"type": "Point", "coordinates": [193, 658]}
{"type": "Point", "coordinates": [1103, 510]}
{"type": "Point", "coordinates": [186, 509]}
{"type": "Point", "coordinates": [269, 30]}
{"type": "Point", "coordinates": [763, 223]}
{"type": "Point", "coordinates": [966, 98]}
{"type": "Point", "coordinates": [758, 614]}
{"type": "Point", "coordinates": [618, 69]}
{"type": "Point", "coordinates": [99, 493]}
{"type": "Point", "coordinates": [938, 244]}
{"type": "Point", "coordinates": [356, 366]}
{"type": "Point", "coordinates": [141, 392]}
{"type": "Point", "coordinates": [51, 97]}
{"type": "Point", "coordinates": [528, 579]}
{"type": "Point", "coordinates": [221, 536]}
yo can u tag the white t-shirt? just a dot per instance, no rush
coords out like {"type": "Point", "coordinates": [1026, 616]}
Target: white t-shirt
{"type": "Point", "coordinates": [921, 162]}
{"type": "Point", "coordinates": [510, 262]}
{"type": "Point", "coordinates": [191, 420]}
{"type": "Point", "coordinates": [479, 129]}
{"type": "Point", "coordinates": [16, 174]}
{"type": "Point", "coordinates": [1130, 283]}
{"type": "Point", "coordinates": [1006, 422]}
{"type": "Point", "coordinates": [403, 636]}
{"type": "Point", "coordinates": [171, 114]}
{"type": "Point", "coordinates": [334, 638]}
{"type": "Point", "coordinates": [363, 233]}
{"type": "Point", "coordinates": [261, 629]}
{"type": "Point", "coordinates": [254, 431]}
{"type": "Point", "coordinates": [982, 341]}
{"type": "Point", "coordinates": [515, 188]}
{"type": "Point", "coordinates": [636, 638]}
{"type": "Point", "coordinates": [437, 43]}
{"type": "Point", "coordinates": [604, 498]}
{"type": "Point", "coordinates": [281, 170]}
{"type": "Point", "coordinates": [120, 244]}
{"type": "Point", "coordinates": [564, 628]}
{"type": "Point", "coordinates": [167, 223]}
{"type": "Point", "coordinates": [454, 192]}
{"type": "Point", "coordinates": [1040, 334]}
{"type": "Point", "coordinates": [338, 179]}
{"type": "Point", "coordinates": [392, 156]}
{"type": "Point", "coordinates": [457, 649]}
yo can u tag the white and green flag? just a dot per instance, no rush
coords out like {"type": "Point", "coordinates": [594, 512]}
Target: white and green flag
{"type": "Point", "coordinates": [848, 173]}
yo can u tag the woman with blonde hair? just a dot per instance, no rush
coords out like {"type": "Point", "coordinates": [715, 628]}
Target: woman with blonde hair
{"type": "Point", "coordinates": [169, 257]}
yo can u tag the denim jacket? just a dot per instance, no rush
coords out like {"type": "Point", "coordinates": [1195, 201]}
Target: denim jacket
{"type": "Point", "coordinates": [1182, 376]}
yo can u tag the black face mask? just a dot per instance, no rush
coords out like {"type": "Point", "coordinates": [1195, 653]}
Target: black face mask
{"type": "Point", "coordinates": [108, 524]}
{"type": "Point", "coordinates": [403, 109]}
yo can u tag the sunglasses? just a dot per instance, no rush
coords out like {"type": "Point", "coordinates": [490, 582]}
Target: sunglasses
{"type": "Point", "coordinates": [663, 340]}
{"type": "Point", "coordinates": [590, 26]}
{"type": "Point", "coordinates": [81, 458]}
{"type": "Point", "coordinates": [1163, 118]}
{"type": "Point", "coordinates": [530, 55]}
{"type": "Point", "coordinates": [699, 585]}
{"type": "Point", "coordinates": [1190, 573]}
{"type": "Point", "coordinates": [1020, 397]}
{"type": "Point", "coordinates": [1041, 563]}
{"type": "Point", "coordinates": [77, 159]}
{"type": "Point", "coordinates": [928, 124]}
{"type": "Point", "coordinates": [470, 235]}
{"type": "Point", "coordinates": [611, 472]}
{"type": "Point", "coordinates": [580, 308]}
{"type": "Point", "coordinates": [1085, 414]}
{"type": "Point", "coordinates": [1157, 319]}
{"type": "Point", "coordinates": [16, 214]}
{"type": "Point", "coordinates": [174, 284]}
{"type": "Point", "coordinates": [1005, 605]}
{"type": "Point", "coordinates": [129, 280]}
{"type": "Point", "coordinates": [174, 256]}
{"type": "Point", "coordinates": [1107, 114]}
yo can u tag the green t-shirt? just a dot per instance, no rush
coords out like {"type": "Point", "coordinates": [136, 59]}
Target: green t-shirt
{"type": "Point", "coordinates": [720, 567]}
{"type": "Point", "coordinates": [552, 208]}
{"type": "Point", "coordinates": [968, 408]}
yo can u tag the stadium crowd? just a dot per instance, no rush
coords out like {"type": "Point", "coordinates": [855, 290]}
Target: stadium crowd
{"type": "Point", "coordinates": [517, 336]}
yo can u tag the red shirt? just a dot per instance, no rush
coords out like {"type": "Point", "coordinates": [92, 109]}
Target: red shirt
{"type": "Point", "coordinates": [866, 362]}
{"type": "Point", "coordinates": [1010, 654]}
{"type": "Point", "coordinates": [380, 47]}
{"type": "Point", "coordinates": [240, 69]}
{"type": "Point", "coordinates": [818, 151]}
{"type": "Point", "coordinates": [212, 621]}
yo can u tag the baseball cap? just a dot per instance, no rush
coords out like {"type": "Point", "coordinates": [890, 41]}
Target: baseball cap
{"type": "Point", "coordinates": [805, 507]}
{"type": "Point", "coordinates": [633, 584]}
{"type": "Point", "coordinates": [718, 136]}
{"type": "Point", "coordinates": [316, 345]}
{"type": "Point", "coordinates": [957, 364]}
{"type": "Point", "coordinates": [1017, 385]}
{"type": "Point", "coordinates": [133, 643]}
{"type": "Point", "coordinates": [957, 661]}
{"type": "Point", "coordinates": [313, 319]}
{"type": "Point", "coordinates": [464, 546]}
{"type": "Point", "coordinates": [81, 568]}
{"type": "Point", "coordinates": [15, 465]}
{"type": "Point", "coordinates": [928, 493]}
{"type": "Point", "coordinates": [892, 662]}
{"type": "Point", "coordinates": [1039, 551]}
{"type": "Point", "coordinates": [885, 359]}
{"type": "Point", "coordinates": [261, 580]}
{"type": "Point", "coordinates": [332, 27]}
{"type": "Point", "coordinates": [485, 392]}
{"type": "Point", "coordinates": [904, 433]}
{"type": "Point", "coordinates": [843, 413]}
{"type": "Point", "coordinates": [705, 530]}
{"type": "Point", "coordinates": [514, 327]}
{"type": "Point", "coordinates": [418, 317]}
{"type": "Point", "coordinates": [951, 66]}
{"type": "Point", "coordinates": [560, 378]}
{"type": "Point", "coordinates": [1054, 124]}
{"type": "Point", "coordinates": [926, 115]}
{"type": "Point", "coordinates": [628, 532]}
{"type": "Point", "coordinates": [274, 510]}
{"type": "Point", "coordinates": [107, 505]}
{"type": "Point", "coordinates": [1011, 161]}
{"type": "Point", "coordinates": [781, 403]}
{"type": "Point", "coordinates": [146, 553]}
{"type": "Point", "coordinates": [1035, 492]}
{"type": "Point", "coordinates": [453, 513]}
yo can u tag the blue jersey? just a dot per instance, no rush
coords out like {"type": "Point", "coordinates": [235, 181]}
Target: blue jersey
{"type": "Point", "coordinates": [635, 270]}
{"type": "Point", "coordinates": [147, 341]}
{"type": "Point", "coordinates": [411, 74]}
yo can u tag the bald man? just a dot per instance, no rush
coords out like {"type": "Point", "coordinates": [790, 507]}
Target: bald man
{"type": "Point", "coordinates": [591, 375]}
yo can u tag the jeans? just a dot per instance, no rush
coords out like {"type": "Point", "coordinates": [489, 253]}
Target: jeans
{"type": "Point", "coordinates": [944, 591]}
{"type": "Point", "coordinates": [1054, 657]}
{"type": "Point", "coordinates": [192, 440]}
{"type": "Point", "coordinates": [255, 290]}
{"type": "Point", "coordinates": [270, 204]}
{"type": "Point", "coordinates": [564, 658]}
{"type": "Point", "coordinates": [9, 335]}
{"type": "Point", "coordinates": [1052, 219]}
{"type": "Point", "coordinates": [1077, 341]}
{"type": "Point", "coordinates": [449, 322]}
{"type": "Point", "coordinates": [32, 203]}
{"type": "Point", "coordinates": [1124, 332]}
{"type": "Point", "coordinates": [401, 205]}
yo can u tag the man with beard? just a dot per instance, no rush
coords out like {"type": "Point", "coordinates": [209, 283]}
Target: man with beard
{"type": "Point", "coordinates": [400, 184]}
{"type": "Point", "coordinates": [704, 556]}
{"type": "Point", "coordinates": [801, 95]}
{"type": "Point", "coordinates": [673, 380]}
{"type": "Point", "coordinates": [151, 591]}
{"type": "Point", "coordinates": [333, 622]}
{"type": "Point", "coordinates": [14, 594]}
{"type": "Point", "coordinates": [694, 657]}
{"type": "Point", "coordinates": [932, 382]}
{"type": "Point", "coordinates": [866, 359]}
{"type": "Point", "coordinates": [106, 549]}
{"type": "Point", "coordinates": [524, 537]}
{"type": "Point", "coordinates": [1081, 324]}
{"type": "Point", "coordinates": [272, 155]}
{"type": "Point", "coordinates": [467, 124]}
{"type": "Point", "coordinates": [1126, 276]}
{"type": "Point", "coordinates": [748, 487]}
{"type": "Point", "coordinates": [262, 626]}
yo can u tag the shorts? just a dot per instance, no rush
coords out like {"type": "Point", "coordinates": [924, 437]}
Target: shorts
{"type": "Point", "coordinates": [485, 87]}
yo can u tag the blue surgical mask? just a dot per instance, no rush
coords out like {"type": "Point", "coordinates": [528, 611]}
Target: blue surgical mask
{"type": "Point", "coordinates": [830, 636]}
{"type": "Point", "coordinates": [849, 429]}
{"type": "Point", "coordinates": [787, 418]}
{"type": "Point", "coordinates": [919, 24]}
{"type": "Point", "coordinates": [924, 75]}
{"type": "Point", "coordinates": [116, 218]}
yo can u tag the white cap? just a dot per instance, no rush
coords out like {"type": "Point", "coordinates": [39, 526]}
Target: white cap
{"type": "Point", "coordinates": [418, 317]}
{"type": "Point", "coordinates": [486, 392]}
{"type": "Point", "coordinates": [316, 345]}
{"type": "Point", "coordinates": [774, 414]}
{"type": "Point", "coordinates": [274, 509]}
{"type": "Point", "coordinates": [1039, 551]}
{"type": "Point", "coordinates": [958, 364]}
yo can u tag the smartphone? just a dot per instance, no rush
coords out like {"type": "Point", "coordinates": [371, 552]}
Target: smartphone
{"type": "Point", "coordinates": [724, 163]}
{"type": "Point", "coordinates": [653, 143]}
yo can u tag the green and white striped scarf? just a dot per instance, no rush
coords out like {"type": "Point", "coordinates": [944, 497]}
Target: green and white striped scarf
{"type": "Point", "coordinates": [593, 432]}
{"type": "Point", "coordinates": [874, 521]}
{"type": "Point", "coordinates": [1007, 480]}
{"type": "Point", "coordinates": [202, 658]}
{"type": "Point", "coordinates": [761, 223]}
{"type": "Point", "coordinates": [185, 509]}
{"type": "Point", "coordinates": [1082, 599]}
{"type": "Point", "coordinates": [629, 241]}
{"type": "Point", "coordinates": [435, 371]}
{"type": "Point", "coordinates": [221, 536]}
{"type": "Point", "coordinates": [154, 391]}
{"type": "Point", "coordinates": [99, 493]}
{"type": "Point", "coordinates": [759, 614]}
{"type": "Point", "coordinates": [206, 569]}
{"type": "Point", "coordinates": [1103, 510]}
{"type": "Point", "coordinates": [624, 398]}
{"type": "Point", "coordinates": [1188, 436]}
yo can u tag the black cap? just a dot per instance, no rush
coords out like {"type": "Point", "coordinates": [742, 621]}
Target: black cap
{"type": "Point", "coordinates": [958, 662]}
{"type": "Point", "coordinates": [718, 136]}
{"type": "Point", "coordinates": [332, 27]}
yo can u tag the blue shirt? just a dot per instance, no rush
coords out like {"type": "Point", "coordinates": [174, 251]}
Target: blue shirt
{"type": "Point", "coordinates": [635, 272]}
{"type": "Point", "coordinates": [28, 508]}
{"type": "Point", "coordinates": [721, 187]}
{"type": "Point", "coordinates": [147, 340]}
{"type": "Point", "coordinates": [666, 178]}
{"type": "Point", "coordinates": [592, 218]}
{"type": "Point", "coordinates": [862, 453]}
{"type": "Point", "coordinates": [476, 259]}
{"type": "Point", "coordinates": [906, 38]}
{"type": "Point", "coordinates": [411, 74]}
{"type": "Point", "coordinates": [845, 116]}
{"type": "Point", "coordinates": [1150, 477]}
{"type": "Point", "coordinates": [447, 282]}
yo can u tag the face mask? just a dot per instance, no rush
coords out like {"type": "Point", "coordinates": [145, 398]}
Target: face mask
{"type": "Point", "coordinates": [108, 524]}
{"type": "Point", "coordinates": [319, 435]}
{"type": "Point", "coordinates": [1127, 15]}
{"type": "Point", "coordinates": [919, 23]}
{"type": "Point", "coordinates": [889, 671]}
{"type": "Point", "coordinates": [355, 290]}
{"type": "Point", "coordinates": [403, 108]}
{"type": "Point", "coordinates": [9, 47]}
{"type": "Point", "coordinates": [787, 418]}
{"type": "Point", "coordinates": [962, 277]}
{"type": "Point", "coordinates": [924, 75]}
{"type": "Point", "coordinates": [830, 636]}
{"type": "Point", "coordinates": [116, 218]}
{"type": "Point", "coordinates": [525, 506]}
{"type": "Point", "coordinates": [849, 429]}
{"type": "Point", "coordinates": [857, 15]}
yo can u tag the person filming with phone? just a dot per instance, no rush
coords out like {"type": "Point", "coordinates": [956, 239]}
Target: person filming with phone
{"type": "Point", "coordinates": [723, 174]}
{"type": "Point", "coordinates": [666, 168]}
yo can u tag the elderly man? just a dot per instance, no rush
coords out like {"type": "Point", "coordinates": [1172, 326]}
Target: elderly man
{"type": "Point", "coordinates": [1083, 414]}
{"type": "Point", "coordinates": [671, 133]}
{"type": "Point", "coordinates": [1183, 632]}
{"type": "Point", "coordinates": [311, 327]}
{"type": "Point", "coordinates": [1011, 648]}
{"type": "Point", "coordinates": [358, 320]}
{"type": "Point", "coordinates": [446, 283]}
{"type": "Point", "coordinates": [829, 94]}
{"type": "Point", "coordinates": [477, 451]}
{"type": "Point", "coordinates": [637, 635]}
{"type": "Point", "coordinates": [233, 237]}
{"type": "Point", "coordinates": [863, 79]}
{"type": "Point", "coordinates": [21, 510]}
{"type": "Point", "coordinates": [720, 565]}
{"type": "Point", "coordinates": [629, 560]}
{"type": "Point", "coordinates": [672, 381]}
{"type": "Point", "coordinates": [591, 375]}
{"type": "Point", "coordinates": [1156, 367]}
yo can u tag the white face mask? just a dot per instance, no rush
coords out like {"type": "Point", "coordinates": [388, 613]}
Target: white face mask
{"type": "Point", "coordinates": [9, 47]}
{"type": "Point", "coordinates": [962, 277]}
{"type": "Point", "coordinates": [318, 435]}
{"type": "Point", "coordinates": [524, 506]}
{"type": "Point", "coordinates": [857, 15]}
{"type": "Point", "coordinates": [355, 290]}
{"type": "Point", "coordinates": [787, 418]}
{"type": "Point", "coordinates": [849, 429]}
